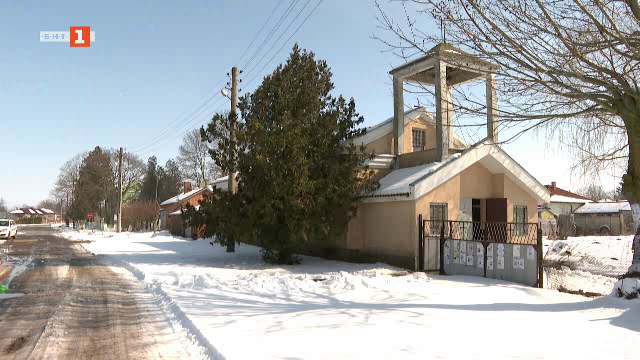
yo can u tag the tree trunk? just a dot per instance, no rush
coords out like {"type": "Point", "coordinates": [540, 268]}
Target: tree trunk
{"type": "Point", "coordinates": [631, 181]}
{"type": "Point", "coordinates": [635, 264]}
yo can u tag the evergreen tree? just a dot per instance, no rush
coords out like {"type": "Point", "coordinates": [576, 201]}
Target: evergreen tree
{"type": "Point", "coordinates": [150, 180]}
{"type": "Point", "coordinates": [298, 173]}
{"type": "Point", "coordinates": [94, 191]}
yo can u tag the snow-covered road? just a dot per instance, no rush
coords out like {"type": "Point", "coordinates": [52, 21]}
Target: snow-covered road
{"type": "Point", "coordinates": [322, 309]}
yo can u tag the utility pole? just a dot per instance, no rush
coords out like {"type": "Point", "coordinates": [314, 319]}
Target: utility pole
{"type": "Point", "coordinates": [233, 117]}
{"type": "Point", "coordinates": [120, 190]}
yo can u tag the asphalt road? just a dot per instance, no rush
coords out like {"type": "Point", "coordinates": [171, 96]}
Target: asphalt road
{"type": "Point", "coordinates": [77, 307]}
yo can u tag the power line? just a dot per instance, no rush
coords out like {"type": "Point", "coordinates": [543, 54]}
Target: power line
{"type": "Point", "coordinates": [279, 37]}
{"type": "Point", "coordinates": [197, 116]}
{"type": "Point", "coordinates": [259, 31]}
{"type": "Point", "coordinates": [285, 43]}
{"type": "Point", "coordinates": [181, 118]}
{"type": "Point", "coordinates": [275, 28]}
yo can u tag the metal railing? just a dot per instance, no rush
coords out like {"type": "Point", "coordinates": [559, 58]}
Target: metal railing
{"type": "Point", "coordinates": [512, 233]}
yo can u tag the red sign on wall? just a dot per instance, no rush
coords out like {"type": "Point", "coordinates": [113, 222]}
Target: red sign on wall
{"type": "Point", "coordinates": [90, 216]}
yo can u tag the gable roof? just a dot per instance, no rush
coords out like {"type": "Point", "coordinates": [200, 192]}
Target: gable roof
{"type": "Point", "coordinates": [414, 182]}
{"type": "Point", "coordinates": [604, 208]}
{"type": "Point", "coordinates": [182, 197]}
{"type": "Point", "coordinates": [379, 130]}
{"type": "Point", "coordinates": [565, 196]}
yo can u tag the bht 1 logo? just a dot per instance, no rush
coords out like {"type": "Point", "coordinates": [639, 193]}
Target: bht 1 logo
{"type": "Point", "coordinates": [76, 37]}
{"type": "Point", "coordinates": [80, 36]}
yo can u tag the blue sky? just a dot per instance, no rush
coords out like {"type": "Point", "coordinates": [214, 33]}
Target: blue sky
{"type": "Point", "coordinates": [154, 62]}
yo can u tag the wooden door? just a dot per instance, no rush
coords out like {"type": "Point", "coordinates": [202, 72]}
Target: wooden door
{"type": "Point", "coordinates": [496, 215]}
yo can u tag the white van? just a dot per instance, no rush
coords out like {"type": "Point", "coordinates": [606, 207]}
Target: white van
{"type": "Point", "coordinates": [8, 228]}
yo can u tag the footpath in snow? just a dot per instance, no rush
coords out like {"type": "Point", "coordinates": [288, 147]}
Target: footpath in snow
{"type": "Point", "coordinates": [241, 308]}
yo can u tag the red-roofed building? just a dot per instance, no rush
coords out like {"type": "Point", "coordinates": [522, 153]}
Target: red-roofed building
{"type": "Point", "coordinates": [564, 202]}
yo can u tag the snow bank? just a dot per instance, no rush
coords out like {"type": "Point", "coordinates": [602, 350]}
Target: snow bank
{"type": "Point", "coordinates": [246, 309]}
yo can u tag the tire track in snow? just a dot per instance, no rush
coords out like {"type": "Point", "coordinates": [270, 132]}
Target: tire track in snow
{"type": "Point", "coordinates": [171, 307]}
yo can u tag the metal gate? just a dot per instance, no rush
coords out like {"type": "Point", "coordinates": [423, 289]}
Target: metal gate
{"type": "Point", "coordinates": [514, 246]}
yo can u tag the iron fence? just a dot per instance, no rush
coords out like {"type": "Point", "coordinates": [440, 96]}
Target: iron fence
{"type": "Point", "coordinates": [432, 235]}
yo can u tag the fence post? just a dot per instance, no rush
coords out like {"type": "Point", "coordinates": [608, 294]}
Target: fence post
{"type": "Point", "coordinates": [540, 259]}
{"type": "Point", "coordinates": [420, 243]}
{"type": "Point", "coordinates": [485, 245]}
{"type": "Point", "coordinates": [442, 248]}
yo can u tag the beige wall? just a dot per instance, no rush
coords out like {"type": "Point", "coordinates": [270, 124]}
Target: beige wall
{"type": "Point", "coordinates": [390, 228]}
{"type": "Point", "coordinates": [384, 145]}
{"type": "Point", "coordinates": [384, 228]}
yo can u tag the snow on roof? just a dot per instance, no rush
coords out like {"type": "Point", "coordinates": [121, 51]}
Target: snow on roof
{"type": "Point", "coordinates": [46, 211]}
{"type": "Point", "coordinates": [181, 197]}
{"type": "Point", "coordinates": [39, 212]}
{"type": "Point", "coordinates": [414, 182]}
{"type": "Point", "coordinates": [398, 181]}
{"type": "Point", "coordinates": [179, 211]}
{"type": "Point", "coordinates": [568, 199]}
{"type": "Point", "coordinates": [17, 211]}
{"type": "Point", "coordinates": [603, 207]}
{"type": "Point", "coordinates": [31, 211]}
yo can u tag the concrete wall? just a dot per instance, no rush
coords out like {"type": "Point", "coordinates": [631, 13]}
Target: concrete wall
{"type": "Point", "coordinates": [384, 231]}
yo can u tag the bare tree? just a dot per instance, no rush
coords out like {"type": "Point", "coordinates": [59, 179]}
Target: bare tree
{"type": "Point", "coordinates": [194, 160]}
{"type": "Point", "coordinates": [569, 66]}
{"type": "Point", "coordinates": [3, 207]}
{"type": "Point", "coordinates": [67, 178]}
{"type": "Point", "coordinates": [595, 192]}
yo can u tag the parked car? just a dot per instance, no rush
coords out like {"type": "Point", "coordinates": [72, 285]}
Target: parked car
{"type": "Point", "coordinates": [8, 228]}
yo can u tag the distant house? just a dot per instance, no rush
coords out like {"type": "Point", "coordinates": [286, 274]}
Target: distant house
{"type": "Point", "coordinates": [603, 218]}
{"type": "Point", "coordinates": [564, 202]}
{"type": "Point", "coordinates": [34, 216]}
{"type": "Point", "coordinates": [170, 209]}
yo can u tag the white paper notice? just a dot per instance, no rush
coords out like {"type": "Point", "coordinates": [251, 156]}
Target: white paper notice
{"type": "Point", "coordinates": [470, 249]}
{"type": "Point", "coordinates": [469, 260]}
{"type": "Point", "coordinates": [518, 263]}
{"type": "Point", "coordinates": [456, 245]}
{"type": "Point", "coordinates": [456, 257]}
{"type": "Point", "coordinates": [480, 250]}
{"type": "Point", "coordinates": [500, 249]}
{"type": "Point", "coordinates": [490, 263]}
{"type": "Point", "coordinates": [447, 257]}
{"type": "Point", "coordinates": [480, 262]}
{"type": "Point", "coordinates": [463, 246]}
{"type": "Point", "coordinates": [490, 250]}
{"type": "Point", "coordinates": [516, 251]}
{"type": "Point", "coordinates": [500, 262]}
{"type": "Point", "coordinates": [531, 254]}
{"type": "Point", "coordinates": [447, 246]}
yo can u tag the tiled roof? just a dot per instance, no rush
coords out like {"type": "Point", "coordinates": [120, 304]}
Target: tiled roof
{"type": "Point", "coordinates": [554, 190]}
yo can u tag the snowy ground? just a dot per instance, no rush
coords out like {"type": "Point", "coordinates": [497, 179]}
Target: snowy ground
{"type": "Point", "coordinates": [321, 309]}
{"type": "Point", "coordinates": [588, 263]}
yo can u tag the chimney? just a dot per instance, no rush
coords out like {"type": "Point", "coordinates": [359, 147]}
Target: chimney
{"type": "Point", "coordinates": [187, 187]}
{"type": "Point", "coordinates": [553, 184]}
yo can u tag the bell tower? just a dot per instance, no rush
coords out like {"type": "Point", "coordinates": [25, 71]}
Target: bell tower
{"type": "Point", "coordinates": [444, 66]}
